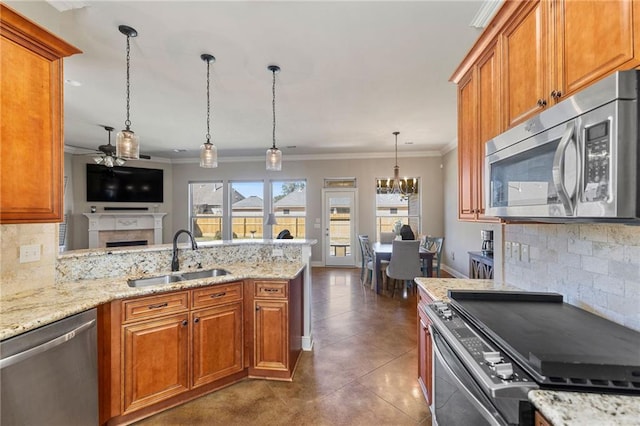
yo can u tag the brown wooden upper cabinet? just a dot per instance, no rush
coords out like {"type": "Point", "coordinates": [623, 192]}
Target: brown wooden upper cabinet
{"type": "Point", "coordinates": [532, 55]}
{"type": "Point", "coordinates": [31, 152]}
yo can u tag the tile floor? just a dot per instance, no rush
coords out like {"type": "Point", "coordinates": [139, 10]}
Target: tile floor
{"type": "Point", "coordinates": [362, 370]}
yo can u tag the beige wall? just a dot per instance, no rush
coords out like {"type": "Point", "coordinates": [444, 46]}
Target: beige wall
{"type": "Point", "coordinates": [364, 170]}
{"type": "Point", "coordinates": [463, 237]}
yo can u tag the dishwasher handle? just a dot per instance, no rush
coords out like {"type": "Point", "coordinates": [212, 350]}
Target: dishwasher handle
{"type": "Point", "coordinates": [21, 356]}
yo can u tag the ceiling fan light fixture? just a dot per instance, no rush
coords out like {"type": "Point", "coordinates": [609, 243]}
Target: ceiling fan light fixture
{"type": "Point", "coordinates": [127, 142]}
{"type": "Point", "coordinates": [208, 151]}
{"type": "Point", "coordinates": [98, 159]}
{"type": "Point", "coordinates": [274, 155]}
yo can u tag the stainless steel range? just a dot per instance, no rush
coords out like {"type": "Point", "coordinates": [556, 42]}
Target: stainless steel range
{"type": "Point", "coordinates": [491, 348]}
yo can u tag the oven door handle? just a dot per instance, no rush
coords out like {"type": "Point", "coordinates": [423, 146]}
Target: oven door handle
{"type": "Point", "coordinates": [490, 414]}
{"type": "Point", "coordinates": [557, 171]}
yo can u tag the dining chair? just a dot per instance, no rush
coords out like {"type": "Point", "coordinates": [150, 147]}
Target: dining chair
{"type": "Point", "coordinates": [434, 244]}
{"type": "Point", "coordinates": [368, 263]}
{"type": "Point", "coordinates": [405, 263]}
{"type": "Point", "coordinates": [387, 237]}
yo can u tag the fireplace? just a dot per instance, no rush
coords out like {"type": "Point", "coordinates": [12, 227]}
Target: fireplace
{"type": "Point", "coordinates": [118, 229]}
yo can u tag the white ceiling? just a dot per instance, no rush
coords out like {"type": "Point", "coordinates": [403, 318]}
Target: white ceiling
{"type": "Point", "coordinates": [352, 73]}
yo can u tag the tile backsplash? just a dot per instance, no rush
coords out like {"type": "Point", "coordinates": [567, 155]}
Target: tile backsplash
{"type": "Point", "coordinates": [595, 266]}
{"type": "Point", "coordinates": [15, 276]}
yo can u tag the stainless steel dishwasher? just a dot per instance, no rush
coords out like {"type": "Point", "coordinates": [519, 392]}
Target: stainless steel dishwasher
{"type": "Point", "coordinates": [49, 376]}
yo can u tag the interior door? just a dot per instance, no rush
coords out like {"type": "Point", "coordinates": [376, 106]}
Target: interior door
{"type": "Point", "coordinates": [339, 227]}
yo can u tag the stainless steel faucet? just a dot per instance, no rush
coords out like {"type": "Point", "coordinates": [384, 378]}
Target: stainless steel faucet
{"type": "Point", "coordinates": [175, 265]}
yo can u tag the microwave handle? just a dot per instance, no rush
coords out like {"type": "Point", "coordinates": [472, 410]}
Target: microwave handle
{"type": "Point", "coordinates": [557, 171]}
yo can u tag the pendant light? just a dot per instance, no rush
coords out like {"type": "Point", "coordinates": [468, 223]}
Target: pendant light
{"type": "Point", "coordinates": [395, 186]}
{"type": "Point", "coordinates": [274, 155]}
{"type": "Point", "coordinates": [208, 151]}
{"type": "Point", "coordinates": [127, 142]}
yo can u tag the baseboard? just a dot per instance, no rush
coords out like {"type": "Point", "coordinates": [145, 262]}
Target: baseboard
{"type": "Point", "coordinates": [453, 272]}
{"type": "Point", "coordinates": [317, 263]}
{"type": "Point", "coordinates": [307, 343]}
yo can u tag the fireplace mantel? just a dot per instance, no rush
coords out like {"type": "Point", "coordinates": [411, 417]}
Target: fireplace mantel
{"type": "Point", "coordinates": [123, 221]}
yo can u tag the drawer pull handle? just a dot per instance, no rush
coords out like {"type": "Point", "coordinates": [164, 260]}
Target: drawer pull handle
{"type": "Point", "coordinates": [224, 293]}
{"type": "Point", "coordinates": [271, 290]}
{"type": "Point", "coordinates": [159, 305]}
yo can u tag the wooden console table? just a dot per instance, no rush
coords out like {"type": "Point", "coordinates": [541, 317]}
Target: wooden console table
{"type": "Point", "coordinates": [480, 265]}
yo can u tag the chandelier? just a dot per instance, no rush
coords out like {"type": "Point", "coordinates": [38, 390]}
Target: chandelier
{"type": "Point", "coordinates": [396, 186]}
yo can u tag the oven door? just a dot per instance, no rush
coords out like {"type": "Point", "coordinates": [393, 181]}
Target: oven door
{"type": "Point", "coordinates": [457, 398]}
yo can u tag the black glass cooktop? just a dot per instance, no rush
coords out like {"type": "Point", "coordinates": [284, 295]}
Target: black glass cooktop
{"type": "Point", "coordinates": [559, 343]}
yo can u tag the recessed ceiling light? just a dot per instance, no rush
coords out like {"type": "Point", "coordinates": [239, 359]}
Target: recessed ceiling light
{"type": "Point", "coordinates": [291, 146]}
{"type": "Point", "coordinates": [73, 83]}
{"type": "Point", "coordinates": [179, 150]}
{"type": "Point", "coordinates": [408, 143]}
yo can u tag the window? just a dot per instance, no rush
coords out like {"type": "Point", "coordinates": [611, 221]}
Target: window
{"type": "Point", "coordinates": [206, 199]}
{"type": "Point", "coordinates": [289, 200]}
{"type": "Point", "coordinates": [247, 209]}
{"type": "Point", "coordinates": [391, 208]}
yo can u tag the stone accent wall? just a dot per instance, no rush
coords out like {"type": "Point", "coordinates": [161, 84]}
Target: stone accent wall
{"type": "Point", "coordinates": [595, 266]}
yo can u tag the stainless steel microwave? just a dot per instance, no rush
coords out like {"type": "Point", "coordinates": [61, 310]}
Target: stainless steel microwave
{"type": "Point", "coordinates": [576, 161]}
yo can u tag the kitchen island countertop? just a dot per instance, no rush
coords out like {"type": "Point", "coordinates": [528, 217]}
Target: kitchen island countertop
{"type": "Point", "coordinates": [28, 310]}
{"type": "Point", "coordinates": [560, 408]}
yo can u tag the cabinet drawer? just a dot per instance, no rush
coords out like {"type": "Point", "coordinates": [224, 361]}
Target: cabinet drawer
{"type": "Point", "coordinates": [155, 306]}
{"type": "Point", "coordinates": [216, 295]}
{"type": "Point", "coordinates": [271, 289]}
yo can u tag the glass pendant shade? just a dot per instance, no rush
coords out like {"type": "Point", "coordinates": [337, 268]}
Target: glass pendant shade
{"type": "Point", "coordinates": [120, 162]}
{"type": "Point", "coordinates": [108, 161]}
{"type": "Point", "coordinates": [208, 155]}
{"type": "Point", "coordinates": [98, 160]}
{"type": "Point", "coordinates": [127, 145]}
{"type": "Point", "coordinates": [274, 159]}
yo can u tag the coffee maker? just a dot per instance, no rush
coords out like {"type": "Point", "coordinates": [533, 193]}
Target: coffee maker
{"type": "Point", "coordinates": [487, 242]}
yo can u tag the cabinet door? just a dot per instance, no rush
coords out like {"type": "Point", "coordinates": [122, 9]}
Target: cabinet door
{"type": "Point", "coordinates": [467, 141]}
{"type": "Point", "coordinates": [525, 68]}
{"type": "Point", "coordinates": [424, 356]}
{"type": "Point", "coordinates": [595, 38]}
{"type": "Point", "coordinates": [488, 77]}
{"type": "Point", "coordinates": [271, 335]}
{"type": "Point", "coordinates": [217, 343]}
{"type": "Point", "coordinates": [31, 154]}
{"type": "Point", "coordinates": [155, 360]}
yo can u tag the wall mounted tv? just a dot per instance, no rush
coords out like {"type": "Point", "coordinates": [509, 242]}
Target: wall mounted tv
{"type": "Point", "coordinates": [124, 184]}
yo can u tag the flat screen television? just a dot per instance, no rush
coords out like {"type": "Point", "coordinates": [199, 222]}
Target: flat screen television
{"type": "Point", "coordinates": [124, 184]}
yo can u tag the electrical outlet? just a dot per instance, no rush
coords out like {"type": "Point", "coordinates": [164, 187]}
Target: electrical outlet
{"type": "Point", "coordinates": [507, 250]}
{"type": "Point", "coordinates": [524, 252]}
{"type": "Point", "coordinates": [453, 255]}
{"type": "Point", "coordinates": [29, 253]}
{"type": "Point", "coordinates": [277, 252]}
{"type": "Point", "coordinates": [515, 251]}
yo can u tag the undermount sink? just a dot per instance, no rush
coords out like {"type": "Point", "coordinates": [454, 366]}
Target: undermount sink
{"type": "Point", "coordinates": [168, 279]}
{"type": "Point", "coordinates": [204, 274]}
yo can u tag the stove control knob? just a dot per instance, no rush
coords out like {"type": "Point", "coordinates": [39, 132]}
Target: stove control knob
{"type": "Point", "coordinates": [492, 357]}
{"type": "Point", "coordinates": [504, 370]}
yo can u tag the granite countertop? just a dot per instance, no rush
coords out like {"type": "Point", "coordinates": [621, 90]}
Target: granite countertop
{"type": "Point", "coordinates": [26, 311]}
{"type": "Point", "coordinates": [576, 408]}
{"type": "Point", "coordinates": [437, 288]}
{"type": "Point", "coordinates": [558, 407]}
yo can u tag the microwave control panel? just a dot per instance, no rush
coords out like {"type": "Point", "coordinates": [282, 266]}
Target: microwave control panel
{"type": "Point", "coordinates": [597, 148]}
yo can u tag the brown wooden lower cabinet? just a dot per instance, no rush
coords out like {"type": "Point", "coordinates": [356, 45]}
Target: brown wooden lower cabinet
{"type": "Point", "coordinates": [540, 420]}
{"type": "Point", "coordinates": [159, 351]}
{"type": "Point", "coordinates": [424, 346]}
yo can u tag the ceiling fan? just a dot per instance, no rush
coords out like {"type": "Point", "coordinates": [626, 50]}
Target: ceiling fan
{"type": "Point", "coordinates": [107, 153]}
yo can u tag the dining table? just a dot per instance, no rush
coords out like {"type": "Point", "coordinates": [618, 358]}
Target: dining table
{"type": "Point", "coordinates": [383, 251]}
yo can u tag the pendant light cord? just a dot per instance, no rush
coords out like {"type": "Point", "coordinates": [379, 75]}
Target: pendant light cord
{"type": "Point", "coordinates": [127, 122]}
{"type": "Point", "coordinates": [273, 107]}
{"type": "Point", "coordinates": [396, 133]}
{"type": "Point", "coordinates": [208, 104]}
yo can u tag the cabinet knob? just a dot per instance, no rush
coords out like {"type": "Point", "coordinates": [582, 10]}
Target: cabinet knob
{"type": "Point", "coordinates": [185, 323]}
{"type": "Point", "coordinates": [196, 320]}
{"type": "Point", "coordinates": [556, 94]}
{"type": "Point", "coordinates": [257, 308]}
{"type": "Point", "coordinates": [542, 102]}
